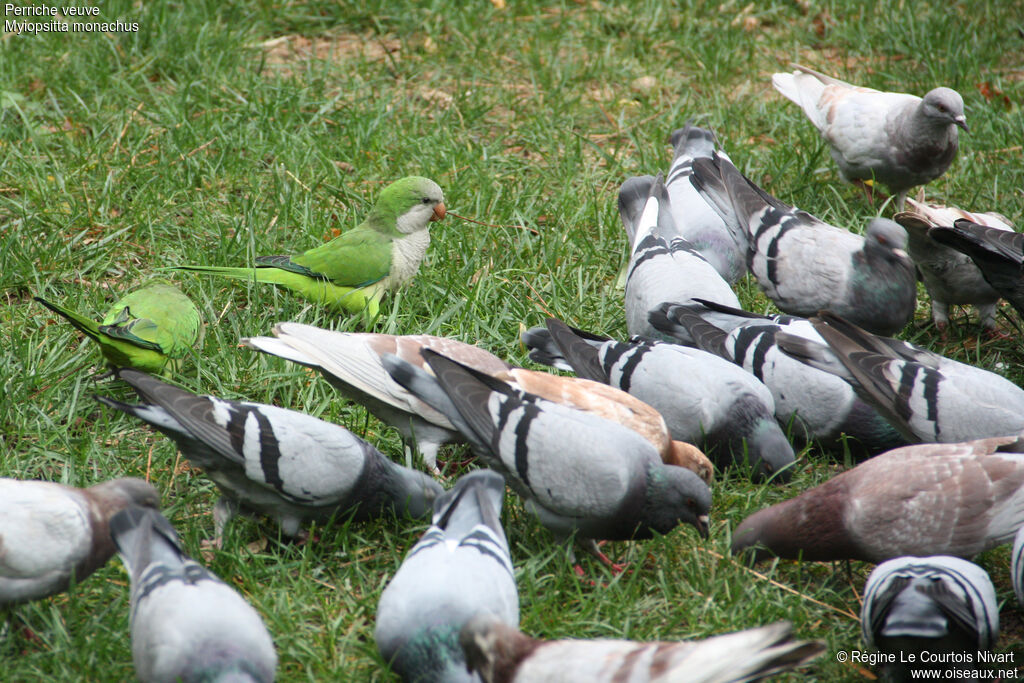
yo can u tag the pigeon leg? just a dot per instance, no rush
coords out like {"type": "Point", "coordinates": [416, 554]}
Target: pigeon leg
{"type": "Point", "coordinates": [223, 510]}
{"type": "Point", "coordinates": [594, 549]}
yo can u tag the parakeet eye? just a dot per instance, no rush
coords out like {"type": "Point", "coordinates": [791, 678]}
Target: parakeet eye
{"type": "Point", "coordinates": [426, 200]}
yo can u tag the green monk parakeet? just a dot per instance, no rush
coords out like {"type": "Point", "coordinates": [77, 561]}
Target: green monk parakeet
{"type": "Point", "coordinates": [144, 330]}
{"type": "Point", "coordinates": [351, 272]}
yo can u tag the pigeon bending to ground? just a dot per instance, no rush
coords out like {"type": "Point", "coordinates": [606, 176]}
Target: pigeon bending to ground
{"type": "Point", "coordinates": [1017, 566]}
{"type": "Point", "coordinates": [938, 605]}
{"type": "Point", "coordinates": [351, 272]}
{"type": "Point", "coordinates": [460, 567]}
{"type": "Point", "coordinates": [285, 464]}
{"type": "Point", "coordinates": [896, 139]}
{"type": "Point", "coordinates": [703, 398]}
{"type": "Point", "coordinates": [928, 499]}
{"type": "Point", "coordinates": [576, 471]}
{"type": "Point", "coordinates": [662, 268]}
{"type": "Point", "coordinates": [146, 329]}
{"type": "Point", "coordinates": [52, 535]}
{"type": "Point", "coordinates": [805, 265]}
{"type": "Point", "coordinates": [998, 253]}
{"type": "Point", "coordinates": [949, 275]}
{"type": "Point", "coordinates": [351, 363]}
{"type": "Point", "coordinates": [818, 404]}
{"type": "Point", "coordinates": [187, 625]}
{"type": "Point", "coordinates": [927, 397]}
{"type": "Point", "coordinates": [502, 654]}
{"type": "Point", "coordinates": [721, 242]}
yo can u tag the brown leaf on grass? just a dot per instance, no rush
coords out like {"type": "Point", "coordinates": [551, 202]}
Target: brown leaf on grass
{"type": "Point", "coordinates": [991, 93]}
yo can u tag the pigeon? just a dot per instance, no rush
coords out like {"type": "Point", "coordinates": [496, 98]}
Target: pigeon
{"type": "Point", "coordinates": [53, 535]}
{"type": "Point", "coordinates": [927, 397]}
{"type": "Point", "coordinates": [187, 625]}
{"type": "Point", "coordinates": [661, 268]}
{"type": "Point", "coordinates": [616, 405]}
{"type": "Point", "coordinates": [1017, 566]}
{"type": "Point", "coordinates": [928, 607]}
{"type": "Point", "coordinates": [150, 328]}
{"type": "Point", "coordinates": [896, 139]}
{"type": "Point", "coordinates": [805, 265]}
{"type": "Point", "coordinates": [354, 270]}
{"type": "Point", "coordinates": [703, 398]}
{"type": "Point", "coordinates": [460, 567]}
{"type": "Point", "coordinates": [722, 243]}
{"type": "Point", "coordinates": [998, 253]}
{"type": "Point", "coordinates": [502, 654]}
{"type": "Point", "coordinates": [351, 363]}
{"type": "Point", "coordinates": [285, 464]}
{"type": "Point", "coordinates": [576, 471]}
{"type": "Point", "coordinates": [818, 404]}
{"type": "Point", "coordinates": [949, 275]}
{"type": "Point", "coordinates": [926, 499]}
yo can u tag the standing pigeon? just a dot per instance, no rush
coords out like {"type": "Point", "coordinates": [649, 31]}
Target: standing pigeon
{"type": "Point", "coordinates": [52, 535]}
{"type": "Point", "coordinates": [288, 465]}
{"type": "Point", "coordinates": [703, 398]}
{"type": "Point", "coordinates": [147, 328]}
{"type": "Point", "coordinates": [351, 272]}
{"type": "Point", "coordinates": [935, 605]}
{"type": "Point", "coordinates": [721, 242]}
{"type": "Point", "coordinates": [896, 139]}
{"type": "Point", "coordinates": [998, 253]}
{"type": "Point", "coordinates": [187, 625]}
{"type": "Point", "coordinates": [1017, 566]}
{"type": "Point", "coordinates": [946, 499]}
{"type": "Point", "coordinates": [575, 470]}
{"type": "Point", "coordinates": [949, 275]}
{"type": "Point", "coordinates": [502, 654]}
{"type": "Point", "coordinates": [662, 268]}
{"type": "Point", "coordinates": [927, 397]}
{"type": "Point", "coordinates": [460, 567]}
{"type": "Point", "coordinates": [351, 363]}
{"type": "Point", "coordinates": [805, 265]}
{"type": "Point", "coordinates": [817, 403]}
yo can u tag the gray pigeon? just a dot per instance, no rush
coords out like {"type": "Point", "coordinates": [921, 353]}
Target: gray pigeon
{"type": "Point", "coordinates": [949, 275]}
{"type": "Point", "coordinates": [929, 607]}
{"type": "Point", "coordinates": [927, 397]}
{"type": "Point", "coordinates": [660, 268]}
{"type": "Point", "coordinates": [818, 404]}
{"type": "Point", "coordinates": [805, 265]}
{"type": "Point", "coordinates": [502, 654]}
{"type": "Point", "coordinates": [188, 626]}
{"type": "Point", "coordinates": [896, 139]}
{"type": "Point", "coordinates": [998, 253]}
{"type": "Point", "coordinates": [350, 361]}
{"type": "Point", "coordinates": [721, 242]}
{"type": "Point", "coordinates": [703, 398]}
{"type": "Point", "coordinates": [575, 470]}
{"type": "Point", "coordinates": [928, 499]}
{"type": "Point", "coordinates": [460, 567]}
{"type": "Point", "coordinates": [288, 465]}
{"type": "Point", "coordinates": [1017, 566]}
{"type": "Point", "coordinates": [52, 535]}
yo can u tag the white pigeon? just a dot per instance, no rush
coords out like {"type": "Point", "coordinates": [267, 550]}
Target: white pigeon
{"type": "Point", "coordinates": [279, 462]}
{"type": "Point", "coordinates": [937, 604]}
{"type": "Point", "coordinates": [896, 139]}
{"type": "Point", "coordinates": [350, 361]}
{"type": "Point", "coordinates": [187, 625]}
{"type": "Point", "coordinates": [502, 654]}
{"type": "Point", "coordinates": [950, 277]}
{"type": "Point", "coordinates": [52, 535]}
{"type": "Point", "coordinates": [461, 566]}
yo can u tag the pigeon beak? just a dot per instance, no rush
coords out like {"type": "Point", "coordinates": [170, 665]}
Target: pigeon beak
{"type": "Point", "coordinates": [901, 254]}
{"type": "Point", "coordinates": [962, 122]}
{"type": "Point", "coordinates": [703, 522]}
{"type": "Point", "coordinates": [439, 212]}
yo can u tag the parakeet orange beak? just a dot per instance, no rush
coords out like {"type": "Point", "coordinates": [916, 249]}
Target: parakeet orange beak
{"type": "Point", "coordinates": [439, 212]}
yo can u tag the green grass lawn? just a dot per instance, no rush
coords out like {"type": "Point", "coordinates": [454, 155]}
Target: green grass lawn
{"type": "Point", "coordinates": [225, 130]}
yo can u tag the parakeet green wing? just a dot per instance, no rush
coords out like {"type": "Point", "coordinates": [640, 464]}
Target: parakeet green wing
{"type": "Point", "coordinates": [356, 258]}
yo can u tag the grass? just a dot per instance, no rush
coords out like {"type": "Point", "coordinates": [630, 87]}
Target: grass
{"type": "Point", "coordinates": [222, 131]}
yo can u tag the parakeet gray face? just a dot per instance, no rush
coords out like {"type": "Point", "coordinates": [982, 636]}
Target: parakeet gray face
{"type": "Point", "coordinates": [412, 203]}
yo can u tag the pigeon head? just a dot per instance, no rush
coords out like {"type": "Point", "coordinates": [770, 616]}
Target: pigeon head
{"type": "Point", "coordinates": [418, 492]}
{"type": "Point", "coordinates": [770, 452]}
{"type": "Point", "coordinates": [946, 106]}
{"type": "Point", "coordinates": [410, 203]}
{"type": "Point", "coordinates": [675, 495]}
{"type": "Point", "coordinates": [887, 237]}
{"type": "Point", "coordinates": [121, 493]}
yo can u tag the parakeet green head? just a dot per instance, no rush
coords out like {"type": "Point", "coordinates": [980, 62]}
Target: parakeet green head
{"type": "Point", "coordinates": [407, 205]}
